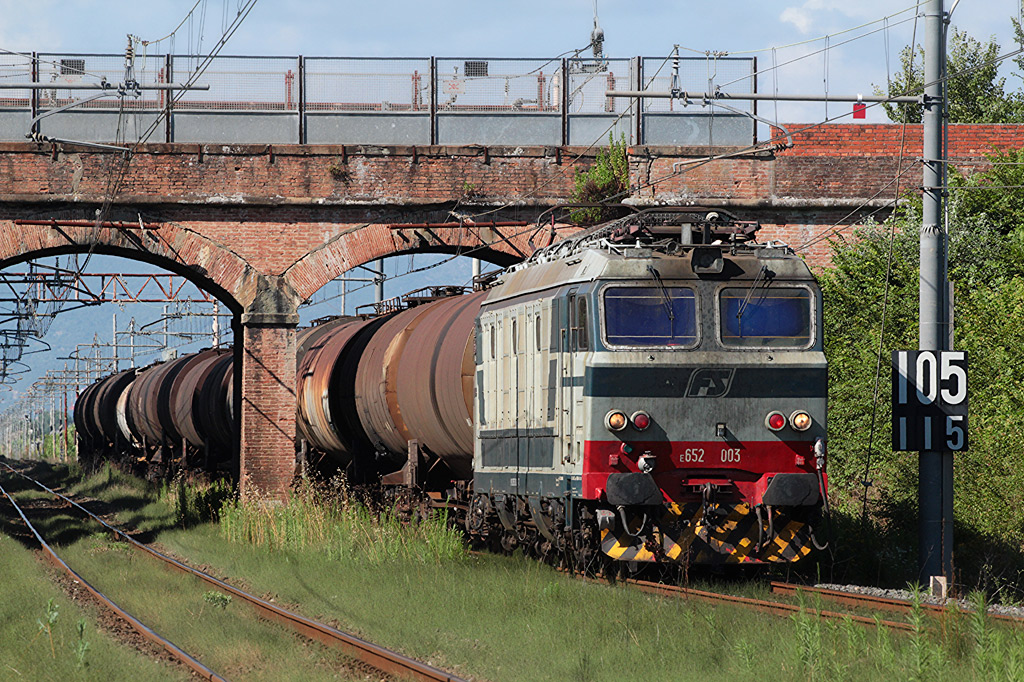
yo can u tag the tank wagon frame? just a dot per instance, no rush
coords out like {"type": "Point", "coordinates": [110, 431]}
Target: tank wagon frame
{"type": "Point", "coordinates": [650, 390]}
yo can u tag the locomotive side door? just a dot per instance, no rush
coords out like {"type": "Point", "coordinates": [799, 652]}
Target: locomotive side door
{"type": "Point", "coordinates": [509, 387]}
{"type": "Point", "coordinates": [580, 339]}
{"type": "Point", "coordinates": [567, 320]}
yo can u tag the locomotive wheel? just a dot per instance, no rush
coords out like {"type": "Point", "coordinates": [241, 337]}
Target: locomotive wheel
{"type": "Point", "coordinates": [476, 517]}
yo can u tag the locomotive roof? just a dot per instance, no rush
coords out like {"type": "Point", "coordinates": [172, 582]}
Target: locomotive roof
{"type": "Point", "coordinates": [606, 261]}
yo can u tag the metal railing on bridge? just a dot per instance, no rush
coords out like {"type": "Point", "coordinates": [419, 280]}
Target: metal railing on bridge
{"type": "Point", "coordinates": [379, 100]}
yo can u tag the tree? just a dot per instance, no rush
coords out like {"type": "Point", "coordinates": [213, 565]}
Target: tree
{"type": "Point", "coordinates": [975, 91]}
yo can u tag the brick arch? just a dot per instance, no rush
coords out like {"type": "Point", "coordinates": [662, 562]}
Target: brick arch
{"type": "Point", "coordinates": [208, 264]}
{"type": "Point", "coordinates": [358, 245]}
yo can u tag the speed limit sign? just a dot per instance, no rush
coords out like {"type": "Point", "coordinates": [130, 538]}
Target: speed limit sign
{"type": "Point", "coordinates": [929, 400]}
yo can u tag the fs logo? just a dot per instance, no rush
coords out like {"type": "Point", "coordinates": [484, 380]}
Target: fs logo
{"type": "Point", "coordinates": [710, 383]}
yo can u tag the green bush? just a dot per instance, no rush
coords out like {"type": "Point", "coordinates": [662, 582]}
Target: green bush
{"type": "Point", "coordinates": [987, 271]}
{"type": "Point", "coordinates": [607, 179]}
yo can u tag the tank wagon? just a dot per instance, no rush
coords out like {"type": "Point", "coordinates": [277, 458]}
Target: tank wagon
{"type": "Point", "coordinates": [169, 415]}
{"type": "Point", "coordinates": [651, 390]}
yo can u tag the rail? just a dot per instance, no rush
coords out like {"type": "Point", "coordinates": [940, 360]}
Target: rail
{"type": "Point", "coordinates": [866, 601]}
{"type": "Point", "coordinates": [762, 605]}
{"type": "Point", "coordinates": [178, 654]}
{"type": "Point", "coordinates": [378, 657]}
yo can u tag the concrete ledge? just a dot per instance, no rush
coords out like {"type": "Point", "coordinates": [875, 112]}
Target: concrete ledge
{"type": "Point", "coordinates": [270, 319]}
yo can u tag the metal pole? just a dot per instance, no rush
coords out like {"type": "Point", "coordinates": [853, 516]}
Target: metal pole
{"type": "Point", "coordinates": [302, 99]}
{"type": "Point", "coordinates": [169, 100]}
{"type": "Point", "coordinates": [378, 279]}
{"type": "Point", "coordinates": [64, 439]}
{"type": "Point", "coordinates": [476, 268]}
{"type": "Point", "coordinates": [563, 99]}
{"type": "Point", "coordinates": [117, 362]}
{"type": "Point", "coordinates": [216, 324]}
{"type": "Point", "coordinates": [34, 94]}
{"type": "Point", "coordinates": [934, 500]}
{"type": "Point", "coordinates": [433, 100]}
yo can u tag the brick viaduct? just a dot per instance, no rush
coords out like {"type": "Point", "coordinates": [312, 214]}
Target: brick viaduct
{"type": "Point", "coordinates": [264, 227]}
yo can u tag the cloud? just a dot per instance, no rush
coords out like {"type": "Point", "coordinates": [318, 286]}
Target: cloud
{"type": "Point", "coordinates": [799, 17]}
{"type": "Point", "coordinates": [805, 17]}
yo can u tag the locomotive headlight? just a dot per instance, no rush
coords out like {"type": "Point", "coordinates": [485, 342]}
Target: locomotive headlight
{"type": "Point", "coordinates": [800, 420]}
{"type": "Point", "coordinates": [775, 421]}
{"type": "Point", "coordinates": [641, 420]}
{"type": "Point", "coordinates": [615, 420]}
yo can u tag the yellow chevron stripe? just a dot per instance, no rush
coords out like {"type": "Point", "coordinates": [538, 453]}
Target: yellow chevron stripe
{"type": "Point", "coordinates": [720, 543]}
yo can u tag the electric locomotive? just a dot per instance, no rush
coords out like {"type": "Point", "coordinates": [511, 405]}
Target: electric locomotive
{"type": "Point", "coordinates": [661, 396]}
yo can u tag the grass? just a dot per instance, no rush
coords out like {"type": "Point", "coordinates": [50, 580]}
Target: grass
{"type": "Point", "coordinates": [341, 529]}
{"type": "Point", "coordinates": [501, 618]}
{"type": "Point", "coordinates": [221, 632]}
{"type": "Point", "coordinates": [46, 636]}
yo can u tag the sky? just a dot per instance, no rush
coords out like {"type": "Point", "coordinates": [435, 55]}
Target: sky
{"type": "Point", "coordinates": [525, 28]}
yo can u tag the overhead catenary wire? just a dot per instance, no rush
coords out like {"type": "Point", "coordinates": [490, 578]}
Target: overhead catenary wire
{"type": "Point", "coordinates": [120, 166]}
{"type": "Point", "coordinates": [808, 41]}
{"type": "Point", "coordinates": [578, 157]}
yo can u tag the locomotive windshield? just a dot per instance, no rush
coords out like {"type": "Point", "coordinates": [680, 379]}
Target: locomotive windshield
{"type": "Point", "coordinates": [771, 316]}
{"type": "Point", "coordinates": [650, 316]}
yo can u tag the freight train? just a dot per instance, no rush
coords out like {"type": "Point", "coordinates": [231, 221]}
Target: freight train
{"type": "Point", "coordinates": [651, 390]}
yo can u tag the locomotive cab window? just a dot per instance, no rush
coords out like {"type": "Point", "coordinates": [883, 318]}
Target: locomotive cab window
{"type": "Point", "coordinates": [650, 316]}
{"type": "Point", "coordinates": [765, 317]}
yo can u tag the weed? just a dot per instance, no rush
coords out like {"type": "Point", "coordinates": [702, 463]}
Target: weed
{"type": "Point", "coordinates": [924, 655]}
{"type": "Point", "coordinates": [584, 669]}
{"type": "Point", "coordinates": [986, 649]}
{"type": "Point", "coordinates": [81, 646]}
{"type": "Point", "coordinates": [47, 622]}
{"type": "Point", "coordinates": [338, 171]}
{"type": "Point", "coordinates": [606, 179]}
{"type": "Point", "coordinates": [884, 648]}
{"type": "Point", "coordinates": [808, 637]}
{"type": "Point", "coordinates": [196, 501]}
{"type": "Point", "coordinates": [217, 599]}
{"type": "Point", "coordinates": [342, 528]}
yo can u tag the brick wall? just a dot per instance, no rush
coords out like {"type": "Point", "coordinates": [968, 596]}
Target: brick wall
{"type": "Point", "coordinates": [967, 142]}
{"type": "Point", "coordinates": [268, 411]}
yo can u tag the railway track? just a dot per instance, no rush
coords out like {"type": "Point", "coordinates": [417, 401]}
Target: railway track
{"type": "Point", "coordinates": [379, 658]}
{"type": "Point", "coordinates": [762, 605]}
{"type": "Point", "coordinates": [864, 601]}
{"type": "Point", "coordinates": [852, 600]}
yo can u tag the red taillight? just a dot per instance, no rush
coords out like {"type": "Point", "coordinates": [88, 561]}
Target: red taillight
{"type": "Point", "coordinates": [641, 420]}
{"type": "Point", "coordinates": [775, 421]}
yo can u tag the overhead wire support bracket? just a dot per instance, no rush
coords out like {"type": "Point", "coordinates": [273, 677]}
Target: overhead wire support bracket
{"type": "Point", "coordinates": [108, 88]}
{"type": "Point", "coordinates": [765, 96]}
